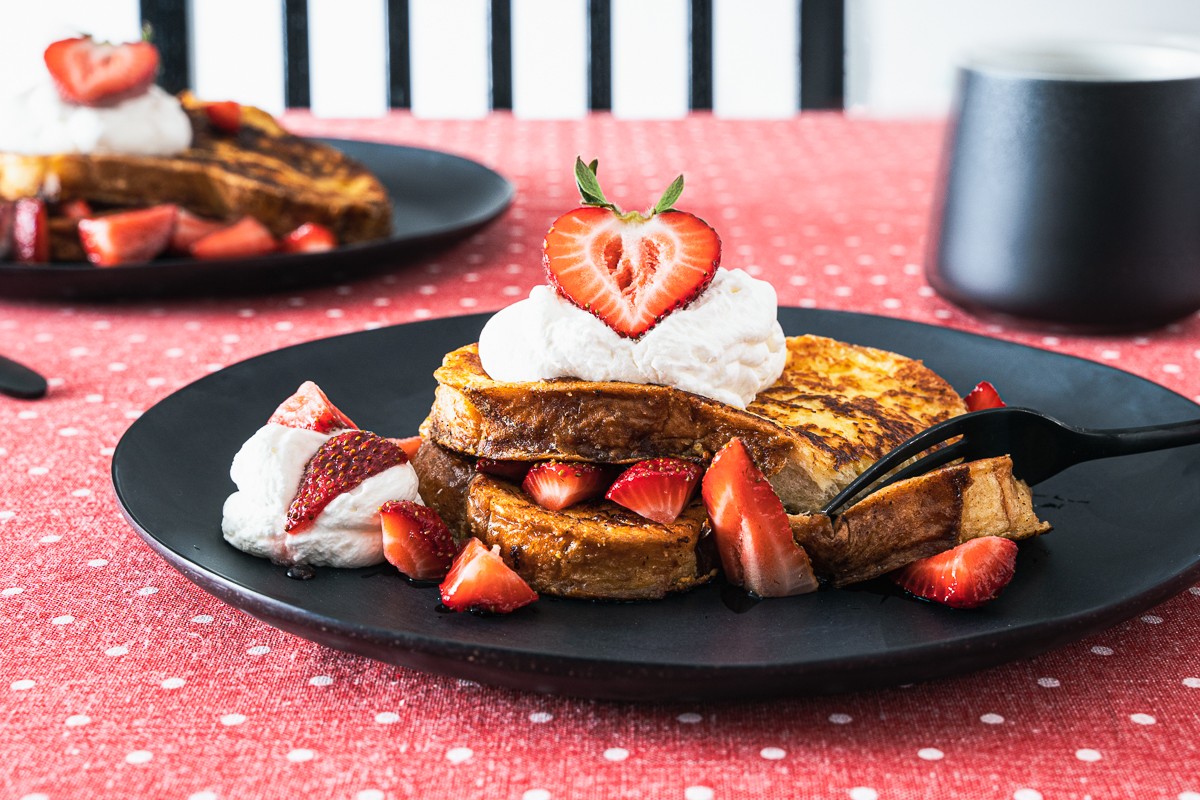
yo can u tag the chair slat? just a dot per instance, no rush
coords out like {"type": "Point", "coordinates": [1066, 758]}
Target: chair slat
{"type": "Point", "coordinates": [448, 44]}
{"type": "Point", "coordinates": [650, 58]}
{"type": "Point", "coordinates": [348, 81]}
{"type": "Point", "coordinates": [549, 71]}
{"type": "Point", "coordinates": [756, 58]}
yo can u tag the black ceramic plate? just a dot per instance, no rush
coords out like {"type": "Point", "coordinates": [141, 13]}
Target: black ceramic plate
{"type": "Point", "coordinates": [436, 198]}
{"type": "Point", "coordinates": [1125, 537]}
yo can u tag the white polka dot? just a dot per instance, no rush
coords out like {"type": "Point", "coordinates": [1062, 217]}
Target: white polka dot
{"type": "Point", "coordinates": [146, 591]}
{"type": "Point", "coordinates": [76, 720]}
{"type": "Point", "coordinates": [1151, 619]}
{"type": "Point", "coordinates": [1027, 794]}
{"type": "Point", "coordinates": [230, 338]}
{"type": "Point", "coordinates": [35, 796]}
{"type": "Point", "coordinates": [174, 352]}
{"type": "Point", "coordinates": [68, 432]}
{"type": "Point", "coordinates": [616, 754]}
{"type": "Point", "coordinates": [370, 794]}
{"type": "Point", "coordinates": [1173, 369]}
{"type": "Point", "coordinates": [51, 538]}
{"type": "Point", "coordinates": [468, 302]}
{"type": "Point", "coordinates": [320, 680]}
{"type": "Point", "coordinates": [27, 415]}
{"type": "Point", "coordinates": [301, 754]}
{"type": "Point", "coordinates": [98, 562]}
{"type": "Point", "coordinates": [119, 650]}
{"type": "Point", "coordinates": [203, 796]}
{"type": "Point", "coordinates": [387, 717]}
{"type": "Point", "coordinates": [1188, 796]}
{"type": "Point", "coordinates": [233, 719]}
{"type": "Point", "coordinates": [202, 619]}
{"type": "Point", "coordinates": [863, 793]}
{"type": "Point", "coordinates": [39, 470]}
{"type": "Point", "coordinates": [1087, 754]}
{"type": "Point", "coordinates": [173, 683]}
{"type": "Point", "coordinates": [22, 685]}
{"type": "Point", "coordinates": [992, 719]}
{"type": "Point", "coordinates": [65, 619]}
{"type": "Point", "coordinates": [139, 757]}
{"type": "Point", "coordinates": [698, 793]}
{"type": "Point", "coordinates": [930, 754]}
{"type": "Point", "coordinates": [284, 325]}
{"type": "Point", "coordinates": [12, 591]}
{"type": "Point", "coordinates": [94, 398]}
{"type": "Point", "coordinates": [81, 493]}
{"type": "Point", "coordinates": [772, 753]}
{"type": "Point", "coordinates": [892, 303]}
{"type": "Point", "coordinates": [457, 755]}
{"type": "Point", "coordinates": [258, 650]}
{"type": "Point", "coordinates": [689, 718]}
{"type": "Point", "coordinates": [536, 794]}
{"type": "Point", "coordinates": [840, 719]}
{"type": "Point", "coordinates": [1101, 650]}
{"type": "Point", "coordinates": [1195, 590]}
{"type": "Point", "coordinates": [539, 717]}
{"type": "Point", "coordinates": [117, 366]}
{"type": "Point", "coordinates": [1192, 683]}
{"type": "Point", "coordinates": [1049, 683]}
{"type": "Point", "coordinates": [1142, 719]}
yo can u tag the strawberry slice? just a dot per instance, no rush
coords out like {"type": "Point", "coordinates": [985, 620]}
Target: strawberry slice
{"type": "Point", "coordinates": [752, 532]}
{"type": "Point", "coordinates": [558, 484]}
{"type": "Point", "coordinates": [244, 238]}
{"type": "Point", "coordinates": [7, 209]}
{"type": "Point", "coordinates": [410, 445]}
{"type": "Point", "coordinates": [966, 576]}
{"type": "Point", "coordinates": [91, 73]}
{"type": "Point", "coordinates": [127, 237]}
{"type": "Point", "coordinates": [31, 231]}
{"type": "Point", "coordinates": [479, 580]}
{"type": "Point", "coordinates": [308, 238]}
{"type": "Point", "coordinates": [630, 269]}
{"type": "Point", "coordinates": [514, 471]}
{"type": "Point", "coordinates": [75, 210]}
{"type": "Point", "coordinates": [984, 395]}
{"type": "Point", "coordinates": [415, 540]}
{"type": "Point", "coordinates": [658, 488]}
{"type": "Point", "coordinates": [308, 408]}
{"type": "Point", "coordinates": [341, 463]}
{"type": "Point", "coordinates": [190, 229]}
{"type": "Point", "coordinates": [225, 116]}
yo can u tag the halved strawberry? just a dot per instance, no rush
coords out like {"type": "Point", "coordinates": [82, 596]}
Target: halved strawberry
{"type": "Point", "coordinates": [514, 471]}
{"type": "Point", "coordinates": [658, 488]}
{"type": "Point", "coordinates": [630, 269]}
{"type": "Point", "coordinates": [479, 580]}
{"type": "Point", "coordinates": [965, 576]}
{"type": "Point", "coordinates": [7, 208]}
{"type": "Point", "coordinates": [225, 116]}
{"type": "Point", "coordinates": [75, 210]}
{"type": "Point", "coordinates": [341, 463]}
{"type": "Point", "coordinates": [244, 238]}
{"type": "Point", "coordinates": [751, 528]}
{"type": "Point", "coordinates": [31, 231]}
{"type": "Point", "coordinates": [558, 484]}
{"type": "Point", "coordinates": [410, 445]}
{"type": "Point", "coordinates": [415, 540]}
{"type": "Point", "coordinates": [308, 238]}
{"type": "Point", "coordinates": [310, 409]}
{"type": "Point", "coordinates": [984, 395]}
{"type": "Point", "coordinates": [190, 229]}
{"type": "Point", "coordinates": [127, 237]}
{"type": "Point", "coordinates": [91, 73]}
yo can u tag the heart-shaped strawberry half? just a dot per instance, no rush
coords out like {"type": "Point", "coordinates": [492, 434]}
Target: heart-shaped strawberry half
{"type": "Point", "coordinates": [629, 269]}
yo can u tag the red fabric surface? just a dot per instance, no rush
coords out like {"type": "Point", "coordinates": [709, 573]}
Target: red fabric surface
{"type": "Point", "coordinates": [122, 679]}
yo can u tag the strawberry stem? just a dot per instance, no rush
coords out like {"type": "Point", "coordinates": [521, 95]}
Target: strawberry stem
{"type": "Point", "coordinates": [593, 195]}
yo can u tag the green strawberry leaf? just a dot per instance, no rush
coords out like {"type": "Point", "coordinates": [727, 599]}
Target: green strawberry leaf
{"type": "Point", "coordinates": [667, 201]}
{"type": "Point", "coordinates": [589, 185]}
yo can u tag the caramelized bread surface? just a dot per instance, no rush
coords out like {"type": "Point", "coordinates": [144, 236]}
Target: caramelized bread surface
{"type": "Point", "coordinates": [280, 179]}
{"type": "Point", "coordinates": [835, 410]}
{"type": "Point", "coordinates": [595, 550]}
{"type": "Point", "coordinates": [917, 518]}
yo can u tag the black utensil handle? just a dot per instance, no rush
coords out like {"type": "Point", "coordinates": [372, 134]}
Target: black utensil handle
{"type": "Point", "coordinates": [1128, 441]}
{"type": "Point", "coordinates": [18, 380]}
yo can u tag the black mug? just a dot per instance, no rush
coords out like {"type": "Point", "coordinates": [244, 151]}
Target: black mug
{"type": "Point", "coordinates": [1069, 190]}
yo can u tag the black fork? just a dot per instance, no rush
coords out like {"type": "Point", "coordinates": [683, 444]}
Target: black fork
{"type": "Point", "coordinates": [1040, 447]}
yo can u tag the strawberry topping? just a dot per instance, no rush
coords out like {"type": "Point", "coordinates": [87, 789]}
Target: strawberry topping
{"type": "Point", "coordinates": [244, 238]}
{"type": "Point", "coordinates": [984, 395]}
{"type": "Point", "coordinates": [127, 237]}
{"type": "Point", "coordinates": [190, 229]}
{"type": "Point", "coordinates": [479, 580]}
{"type": "Point", "coordinates": [752, 532]}
{"type": "Point", "coordinates": [341, 463]}
{"type": "Point", "coordinates": [308, 238]}
{"type": "Point", "coordinates": [225, 116]}
{"type": "Point", "coordinates": [75, 210]}
{"type": "Point", "coordinates": [410, 445]}
{"type": "Point", "coordinates": [308, 408]}
{"type": "Point", "coordinates": [629, 269]}
{"type": "Point", "coordinates": [558, 484]}
{"type": "Point", "coordinates": [415, 540]}
{"type": "Point", "coordinates": [966, 576]}
{"type": "Point", "coordinates": [657, 489]}
{"type": "Point", "coordinates": [31, 231]}
{"type": "Point", "coordinates": [91, 73]}
{"type": "Point", "coordinates": [514, 471]}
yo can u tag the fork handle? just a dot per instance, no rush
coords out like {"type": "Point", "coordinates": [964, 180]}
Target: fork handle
{"type": "Point", "coordinates": [1127, 441]}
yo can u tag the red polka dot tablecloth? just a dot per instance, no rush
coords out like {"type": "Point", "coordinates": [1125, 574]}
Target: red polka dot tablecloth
{"type": "Point", "coordinates": [121, 679]}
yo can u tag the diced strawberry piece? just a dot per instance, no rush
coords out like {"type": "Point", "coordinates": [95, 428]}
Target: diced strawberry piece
{"type": "Point", "coordinates": [31, 231]}
{"type": "Point", "coordinates": [415, 540]}
{"type": "Point", "coordinates": [479, 580]}
{"type": "Point", "coordinates": [75, 210]}
{"type": "Point", "coordinates": [514, 471]}
{"type": "Point", "coordinates": [341, 463]}
{"type": "Point", "coordinates": [127, 237]}
{"type": "Point", "coordinates": [966, 576]}
{"type": "Point", "coordinates": [7, 209]}
{"type": "Point", "coordinates": [410, 445]}
{"type": "Point", "coordinates": [308, 238]}
{"type": "Point", "coordinates": [91, 73]}
{"type": "Point", "coordinates": [657, 489]}
{"type": "Point", "coordinates": [557, 484]}
{"type": "Point", "coordinates": [244, 238]}
{"type": "Point", "coordinates": [751, 528]}
{"type": "Point", "coordinates": [984, 395]}
{"type": "Point", "coordinates": [310, 409]}
{"type": "Point", "coordinates": [225, 116]}
{"type": "Point", "coordinates": [629, 269]}
{"type": "Point", "coordinates": [190, 229]}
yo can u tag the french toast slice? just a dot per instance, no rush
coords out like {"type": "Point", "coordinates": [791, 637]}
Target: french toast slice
{"type": "Point", "coordinates": [262, 171]}
{"type": "Point", "coordinates": [918, 518]}
{"type": "Point", "coordinates": [835, 410]}
{"type": "Point", "coordinates": [595, 550]}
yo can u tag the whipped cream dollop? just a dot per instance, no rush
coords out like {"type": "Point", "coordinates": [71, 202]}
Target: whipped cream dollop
{"type": "Point", "coordinates": [267, 471]}
{"type": "Point", "coordinates": [726, 345]}
{"type": "Point", "coordinates": [36, 121]}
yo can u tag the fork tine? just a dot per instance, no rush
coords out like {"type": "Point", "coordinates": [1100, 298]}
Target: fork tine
{"type": "Point", "coordinates": [919, 443]}
{"type": "Point", "coordinates": [926, 463]}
